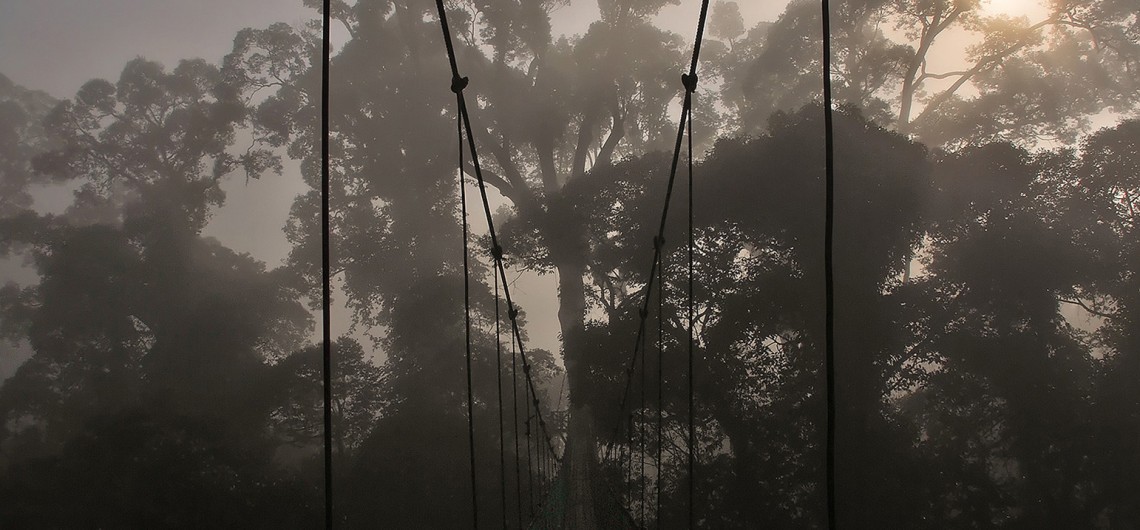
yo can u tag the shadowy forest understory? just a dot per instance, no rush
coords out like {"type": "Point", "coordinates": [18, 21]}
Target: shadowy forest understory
{"type": "Point", "coordinates": [987, 270]}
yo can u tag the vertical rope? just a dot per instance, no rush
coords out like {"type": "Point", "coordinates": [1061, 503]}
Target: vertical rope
{"type": "Point", "coordinates": [692, 375]}
{"type": "Point", "coordinates": [542, 473]}
{"type": "Point", "coordinates": [326, 279]}
{"type": "Point", "coordinates": [529, 465]}
{"type": "Point", "coordinates": [544, 464]}
{"type": "Point", "coordinates": [828, 265]}
{"type": "Point", "coordinates": [499, 382]}
{"type": "Point", "coordinates": [467, 331]}
{"type": "Point", "coordinates": [458, 84]}
{"type": "Point", "coordinates": [629, 443]}
{"type": "Point", "coordinates": [660, 373]}
{"type": "Point", "coordinates": [641, 434]}
{"type": "Point", "coordinates": [689, 80]}
{"type": "Point", "coordinates": [691, 86]}
{"type": "Point", "coordinates": [515, 408]}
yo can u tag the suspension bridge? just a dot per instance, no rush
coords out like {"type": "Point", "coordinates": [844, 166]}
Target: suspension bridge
{"type": "Point", "coordinates": [569, 484]}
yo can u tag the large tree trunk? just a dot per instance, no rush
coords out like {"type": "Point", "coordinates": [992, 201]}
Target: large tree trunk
{"type": "Point", "coordinates": [568, 251]}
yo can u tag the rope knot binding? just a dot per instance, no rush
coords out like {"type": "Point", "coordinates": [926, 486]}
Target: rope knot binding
{"type": "Point", "coordinates": [458, 84]}
{"type": "Point", "coordinates": [513, 314]}
{"type": "Point", "coordinates": [497, 252]}
{"type": "Point", "coordinates": [690, 82]}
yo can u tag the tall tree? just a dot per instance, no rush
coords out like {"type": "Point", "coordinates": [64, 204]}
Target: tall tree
{"type": "Point", "coordinates": [21, 139]}
{"type": "Point", "coordinates": [548, 111]}
{"type": "Point", "coordinates": [150, 341]}
{"type": "Point", "coordinates": [1020, 79]}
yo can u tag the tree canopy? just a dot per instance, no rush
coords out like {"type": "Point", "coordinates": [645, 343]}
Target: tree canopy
{"type": "Point", "coordinates": [988, 305]}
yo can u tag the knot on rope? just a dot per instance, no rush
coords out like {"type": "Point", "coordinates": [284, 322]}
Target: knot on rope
{"type": "Point", "coordinates": [513, 314]}
{"type": "Point", "coordinates": [458, 84]}
{"type": "Point", "coordinates": [497, 252]}
{"type": "Point", "coordinates": [689, 80]}
{"type": "Point", "coordinates": [658, 242]}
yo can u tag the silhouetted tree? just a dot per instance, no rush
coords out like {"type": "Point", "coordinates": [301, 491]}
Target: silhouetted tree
{"type": "Point", "coordinates": [145, 402]}
{"type": "Point", "coordinates": [1022, 80]}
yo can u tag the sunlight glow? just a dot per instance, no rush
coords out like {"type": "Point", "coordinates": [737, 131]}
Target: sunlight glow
{"type": "Point", "coordinates": [1014, 8]}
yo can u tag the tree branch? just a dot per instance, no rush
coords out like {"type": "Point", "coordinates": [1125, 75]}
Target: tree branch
{"type": "Point", "coordinates": [494, 179]}
{"type": "Point", "coordinates": [1081, 303]}
{"type": "Point", "coordinates": [943, 75]}
{"type": "Point", "coordinates": [585, 138]}
{"type": "Point", "coordinates": [617, 132]}
{"type": "Point", "coordinates": [982, 64]}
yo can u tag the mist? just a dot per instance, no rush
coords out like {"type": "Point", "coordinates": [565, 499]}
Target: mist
{"type": "Point", "coordinates": [161, 303]}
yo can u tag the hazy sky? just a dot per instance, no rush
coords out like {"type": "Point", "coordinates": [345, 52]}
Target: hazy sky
{"type": "Point", "coordinates": [57, 45]}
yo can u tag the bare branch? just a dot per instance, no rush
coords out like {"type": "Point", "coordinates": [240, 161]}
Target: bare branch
{"type": "Point", "coordinates": [617, 132]}
{"type": "Point", "coordinates": [1083, 305]}
{"type": "Point", "coordinates": [983, 64]}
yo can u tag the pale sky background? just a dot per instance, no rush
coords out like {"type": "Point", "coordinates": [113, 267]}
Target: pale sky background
{"type": "Point", "coordinates": [57, 45]}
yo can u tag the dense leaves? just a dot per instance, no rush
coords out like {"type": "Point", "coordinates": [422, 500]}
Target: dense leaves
{"type": "Point", "coordinates": [988, 315]}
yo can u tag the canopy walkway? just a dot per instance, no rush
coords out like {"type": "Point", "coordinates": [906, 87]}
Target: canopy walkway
{"type": "Point", "coordinates": [579, 497]}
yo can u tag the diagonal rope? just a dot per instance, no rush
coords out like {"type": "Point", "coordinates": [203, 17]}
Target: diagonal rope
{"type": "Point", "coordinates": [326, 290]}
{"type": "Point", "coordinates": [458, 84]}
{"type": "Point", "coordinates": [689, 80]}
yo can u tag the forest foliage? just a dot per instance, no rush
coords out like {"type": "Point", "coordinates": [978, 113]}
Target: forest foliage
{"type": "Point", "coordinates": [988, 299]}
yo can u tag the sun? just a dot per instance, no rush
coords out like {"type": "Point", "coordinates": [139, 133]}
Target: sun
{"type": "Point", "coordinates": [1013, 8]}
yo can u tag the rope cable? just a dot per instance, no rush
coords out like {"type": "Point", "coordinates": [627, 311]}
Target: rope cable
{"type": "Point", "coordinates": [828, 265]}
{"type": "Point", "coordinates": [690, 322]}
{"type": "Point", "coordinates": [629, 443]}
{"type": "Point", "coordinates": [660, 375]}
{"type": "Point", "coordinates": [515, 402]}
{"type": "Point", "coordinates": [641, 434]}
{"type": "Point", "coordinates": [467, 332]}
{"type": "Point", "coordinates": [326, 279]}
{"type": "Point", "coordinates": [689, 81]}
{"type": "Point", "coordinates": [458, 84]}
{"type": "Point", "coordinates": [499, 381]}
{"type": "Point", "coordinates": [529, 468]}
